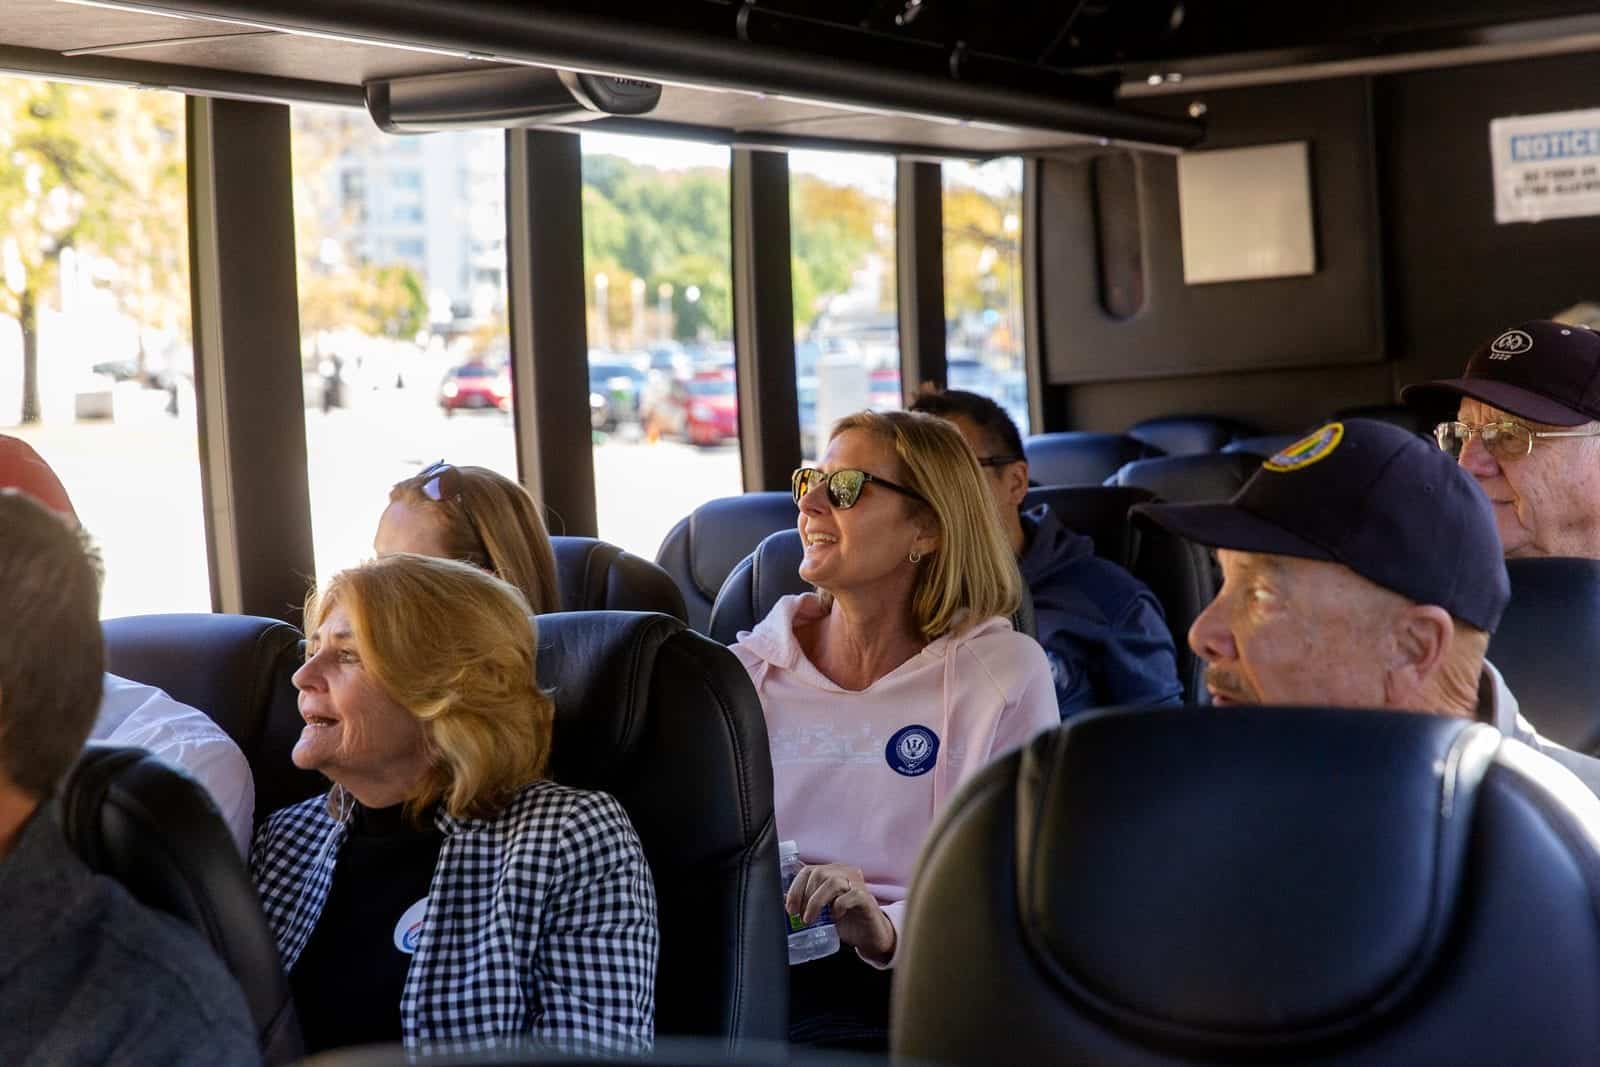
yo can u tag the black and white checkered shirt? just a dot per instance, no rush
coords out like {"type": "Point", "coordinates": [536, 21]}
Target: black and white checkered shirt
{"type": "Point", "coordinates": [540, 923]}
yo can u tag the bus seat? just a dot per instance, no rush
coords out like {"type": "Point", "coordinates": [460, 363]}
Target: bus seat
{"type": "Point", "coordinates": [1297, 885]}
{"type": "Point", "coordinates": [702, 550]}
{"type": "Point", "coordinates": [1419, 423]}
{"type": "Point", "coordinates": [667, 721]}
{"type": "Point", "coordinates": [1185, 435]}
{"type": "Point", "coordinates": [1190, 479]}
{"type": "Point", "coordinates": [1545, 646]}
{"type": "Point", "coordinates": [133, 819]}
{"type": "Point", "coordinates": [1264, 447]}
{"type": "Point", "coordinates": [1081, 458]}
{"type": "Point", "coordinates": [236, 669]}
{"type": "Point", "coordinates": [772, 572]}
{"type": "Point", "coordinates": [597, 576]}
{"type": "Point", "coordinates": [1100, 511]}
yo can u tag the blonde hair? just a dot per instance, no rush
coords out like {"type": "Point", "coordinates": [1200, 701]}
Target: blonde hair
{"type": "Point", "coordinates": [973, 575]}
{"type": "Point", "coordinates": [455, 647]}
{"type": "Point", "coordinates": [495, 525]}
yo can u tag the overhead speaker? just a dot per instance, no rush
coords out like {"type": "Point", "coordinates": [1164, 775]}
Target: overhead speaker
{"type": "Point", "coordinates": [500, 97]}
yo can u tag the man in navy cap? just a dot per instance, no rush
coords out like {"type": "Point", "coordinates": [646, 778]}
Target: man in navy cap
{"type": "Point", "coordinates": [1361, 568]}
{"type": "Point", "coordinates": [1527, 427]}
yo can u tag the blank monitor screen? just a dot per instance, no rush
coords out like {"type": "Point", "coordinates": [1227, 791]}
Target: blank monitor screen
{"type": "Point", "coordinates": [1245, 213]}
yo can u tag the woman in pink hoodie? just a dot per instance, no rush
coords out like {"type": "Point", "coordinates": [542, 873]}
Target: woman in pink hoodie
{"type": "Point", "coordinates": [886, 689]}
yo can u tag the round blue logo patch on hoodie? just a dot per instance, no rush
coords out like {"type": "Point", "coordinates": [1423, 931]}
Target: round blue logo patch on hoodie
{"type": "Point", "coordinates": [913, 750]}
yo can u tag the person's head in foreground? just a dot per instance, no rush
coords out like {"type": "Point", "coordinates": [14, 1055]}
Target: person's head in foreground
{"type": "Point", "coordinates": [91, 976]}
{"type": "Point", "coordinates": [1527, 428]}
{"type": "Point", "coordinates": [418, 687]}
{"type": "Point", "coordinates": [442, 836]}
{"type": "Point", "coordinates": [52, 657]}
{"type": "Point", "coordinates": [896, 513]}
{"type": "Point", "coordinates": [477, 516]}
{"type": "Point", "coordinates": [1360, 569]}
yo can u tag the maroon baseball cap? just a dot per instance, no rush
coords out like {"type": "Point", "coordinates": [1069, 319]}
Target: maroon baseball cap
{"type": "Point", "coordinates": [1540, 370]}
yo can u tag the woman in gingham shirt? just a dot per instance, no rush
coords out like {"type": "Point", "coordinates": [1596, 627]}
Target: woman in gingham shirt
{"type": "Point", "coordinates": [443, 892]}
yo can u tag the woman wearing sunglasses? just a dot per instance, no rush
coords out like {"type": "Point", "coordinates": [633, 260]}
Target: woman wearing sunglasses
{"type": "Point", "coordinates": [884, 690]}
{"type": "Point", "coordinates": [477, 516]}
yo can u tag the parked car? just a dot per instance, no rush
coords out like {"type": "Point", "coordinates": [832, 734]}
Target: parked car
{"type": "Point", "coordinates": [713, 407]}
{"type": "Point", "coordinates": [614, 389]}
{"type": "Point", "coordinates": [883, 390]}
{"type": "Point", "coordinates": [475, 386]}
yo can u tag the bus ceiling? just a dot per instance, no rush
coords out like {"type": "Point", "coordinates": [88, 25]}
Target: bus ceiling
{"type": "Point", "coordinates": [736, 74]}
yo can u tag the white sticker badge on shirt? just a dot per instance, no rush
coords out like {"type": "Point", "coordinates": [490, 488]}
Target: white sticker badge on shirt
{"type": "Point", "coordinates": [408, 931]}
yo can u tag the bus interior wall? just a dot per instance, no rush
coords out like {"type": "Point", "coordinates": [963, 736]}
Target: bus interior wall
{"type": "Point", "coordinates": [1449, 275]}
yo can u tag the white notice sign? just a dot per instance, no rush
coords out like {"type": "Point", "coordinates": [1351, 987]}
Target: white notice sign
{"type": "Point", "coordinates": [1546, 166]}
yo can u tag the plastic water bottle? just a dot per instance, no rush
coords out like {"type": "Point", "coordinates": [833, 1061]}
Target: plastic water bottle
{"type": "Point", "coordinates": [820, 938]}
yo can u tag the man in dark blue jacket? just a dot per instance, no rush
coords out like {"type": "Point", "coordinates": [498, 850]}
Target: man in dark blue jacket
{"type": "Point", "coordinates": [1102, 629]}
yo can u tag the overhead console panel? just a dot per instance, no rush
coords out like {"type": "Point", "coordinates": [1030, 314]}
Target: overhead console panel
{"type": "Point", "coordinates": [767, 76]}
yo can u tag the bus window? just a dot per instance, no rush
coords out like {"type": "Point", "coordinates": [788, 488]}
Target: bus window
{"type": "Point", "coordinates": [96, 363]}
{"type": "Point", "coordinates": [404, 338]}
{"type": "Point", "coordinates": [847, 339]}
{"type": "Point", "coordinates": [658, 270]}
{"type": "Point", "coordinates": [983, 282]}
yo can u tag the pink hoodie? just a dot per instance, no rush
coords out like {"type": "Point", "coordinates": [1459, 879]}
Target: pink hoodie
{"type": "Point", "coordinates": [860, 776]}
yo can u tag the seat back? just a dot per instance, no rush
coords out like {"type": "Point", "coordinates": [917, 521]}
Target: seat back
{"type": "Point", "coordinates": [1419, 423]}
{"type": "Point", "coordinates": [701, 551]}
{"type": "Point", "coordinates": [155, 831]}
{"type": "Point", "coordinates": [236, 669]}
{"type": "Point", "coordinates": [1184, 435]}
{"type": "Point", "coordinates": [772, 572]}
{"type": "Point", "coordinates": [1190, 479]}
{"type": "Point", "coordinates": [1546, 646]}
{"type": "Point", "coordinates": [668, 722]}
{"type": "Point", "coordinates": [1263, 447]}
{"type": "Point", "coordinates": [1100, 511]}
{"type": "Point", "coordinates": [1081, 458]}
{"type": "Point", "coordinates": [597, 576]}
{"type": "Point", "coordinates": [1278, 886]}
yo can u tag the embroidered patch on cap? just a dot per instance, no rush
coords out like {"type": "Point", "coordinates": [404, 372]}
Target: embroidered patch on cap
{"type": "Point", "coordinates": [408, 931]}
{"type": "Point", "coordinates": [1511, 343]}
{"type": "Point", "coordinates": [1308, 450]}
{"type": "Point", "coordinates": [913, 750]}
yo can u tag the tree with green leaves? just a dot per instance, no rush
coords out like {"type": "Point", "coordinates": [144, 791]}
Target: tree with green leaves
{"type": "Point", "coordinates": [99, 170]}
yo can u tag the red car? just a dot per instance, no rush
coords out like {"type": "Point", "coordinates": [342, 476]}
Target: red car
{"type": "Point", "coordinates": [475, 386]}
{"type": "Point", "coordinates": [713, 408]}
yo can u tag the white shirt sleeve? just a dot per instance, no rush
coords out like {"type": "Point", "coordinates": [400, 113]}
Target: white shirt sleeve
{"type": "Point", "coordinates": [183, 738]}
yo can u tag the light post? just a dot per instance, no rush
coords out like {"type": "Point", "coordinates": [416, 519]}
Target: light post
{"type": "Point", "coordinates": [602, 310]}
{"type": "Point", "coordinates": [664, 310]}
{"type": "Point", "coordinates": [636, 288]}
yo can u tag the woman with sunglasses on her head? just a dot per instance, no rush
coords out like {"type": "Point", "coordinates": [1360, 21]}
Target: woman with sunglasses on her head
{"type": "Point", "coordinates": [477, 516]}
{"type": "Point", "coordinates": [445, 891]}
{"type": "Point", "coordinates": [885, 690]}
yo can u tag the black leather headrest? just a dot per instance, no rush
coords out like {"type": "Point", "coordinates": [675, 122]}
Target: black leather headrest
{"type": "Point", "coordinates": [597, 576]}
{"type": "Point", "coordinates": [236, 669]}
{"type": "Point", "coordinates": [156, 832]}
{"type": "Point", "coordinates": [1099, 511]}
{"type": "Point", "coordinates": [1279, 885]}
{"type": "Point", "coordinates": [1546, 648]}
{"type": "Point", "coordinates": [667, 721]}
{"type": "Point", "coordinates": [702, 550]}
{"type": "Point", "coordinates": [1190, 479]}
{"type": "Point", "coordinates": [1263, 447]}
{"type": "Point", "coordinates": [1183, 435]}
{"type": "Point", "coordinates": [1081, 458]}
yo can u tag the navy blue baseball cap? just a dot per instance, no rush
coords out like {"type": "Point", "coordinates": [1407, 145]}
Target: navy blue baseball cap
{"type": "Point", "coordinates": [1541, 370]}
{"type": "Point", "coordinates": [1371, 496]}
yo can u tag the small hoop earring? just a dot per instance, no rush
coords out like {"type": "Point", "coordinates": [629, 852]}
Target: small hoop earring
{"type": "Point", "coordinates": [915, 557]}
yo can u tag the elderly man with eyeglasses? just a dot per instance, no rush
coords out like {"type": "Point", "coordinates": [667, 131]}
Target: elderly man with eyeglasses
{"type": "Point", "coordinates": [1528, 431]}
